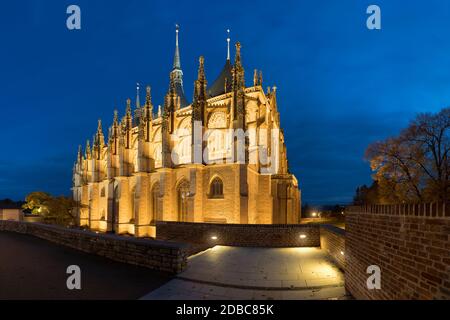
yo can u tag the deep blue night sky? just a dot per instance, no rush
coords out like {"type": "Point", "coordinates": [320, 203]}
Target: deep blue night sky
{"type": "Point", "coordinates": [340, 86]}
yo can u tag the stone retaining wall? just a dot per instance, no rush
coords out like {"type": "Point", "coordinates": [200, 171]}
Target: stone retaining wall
{"type": "Point", "coordinates": [157, 255]}
{"type": "Point", "coordinates": [332, 239]}
{"type": "Point", "coordinates": [249, 235]}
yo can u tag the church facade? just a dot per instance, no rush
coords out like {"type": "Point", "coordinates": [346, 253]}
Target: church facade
{"type": "Point", "coordinates": [220, 159]}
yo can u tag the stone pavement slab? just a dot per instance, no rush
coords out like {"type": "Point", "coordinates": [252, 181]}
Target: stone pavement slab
{"type": "Point", "coordinates": [256, 274]}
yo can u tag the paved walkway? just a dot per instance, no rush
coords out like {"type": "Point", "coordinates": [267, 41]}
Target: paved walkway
{"type": "Point", "coordinates": [256, 273]}
{"type": "Point", "coordinates": [32, 268]}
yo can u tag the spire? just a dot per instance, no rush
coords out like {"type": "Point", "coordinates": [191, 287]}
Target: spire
{"type": "Point", "coordinates": [228, 44]}
{"type": "Point", "coordinates": [255, 78]}
{"type": "Point", "coordinates": [201, 69]}
{"type": "Point", "coordinates": [148, 114]}
{"type": "Point", "coordinates": [177, 73]}
{"type": "Point", "coordinates": [237, 58]}
{"type": "Point", "coordinates": [100, 136]}
{"type": "Point", "coordinates": [138, 103]}
{"type": "Point", "coordinates": [238, 70]}
{"type": "Point", "coordinates": [148, 96]}
{"type": "Point", "coordinates": [176, 59]}
{"type": "Point", "coordinates": [88, 149]}
{"type": "Point", "coordinates": [238, 89]}
{"type": "Point", "coordinates": [80, 155]}
{"type": "Point", "coordinates": [99, 126]}
{"type": "Point", "coordinates": [128, 109]}
{"type": "Point", "coordinates": [116, 118]}
{"type": "Point", "coordinates": [200, 96]}
{"type": "Point", "coordinates": [114, 133]}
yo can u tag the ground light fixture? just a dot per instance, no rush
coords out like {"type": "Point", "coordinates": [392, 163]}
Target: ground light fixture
{"type": "Point", "coordinates": [303, 236]}
{"type": "Point", "coordinates": [214, 238]}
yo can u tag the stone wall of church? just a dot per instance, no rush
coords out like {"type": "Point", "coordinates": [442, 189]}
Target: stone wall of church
{"type": "Point", "coordinates": [251, 235]}
{"type": "Point", "coordinates": [133, 203]}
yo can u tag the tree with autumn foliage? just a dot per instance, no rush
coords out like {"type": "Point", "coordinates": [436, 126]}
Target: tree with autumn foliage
{"type": "Point", "coordinates": [53, 210]}
{"type": "Point", "coordinates": [414, 166]}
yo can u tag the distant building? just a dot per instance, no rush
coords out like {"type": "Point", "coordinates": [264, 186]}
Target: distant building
{"type": "Point", "coordinates": [14, 214]}
{"type": "Point", "coordinates": [190, 162]}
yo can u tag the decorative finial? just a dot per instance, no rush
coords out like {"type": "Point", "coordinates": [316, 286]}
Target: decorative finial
{"type": "Point", "coordinates": [80, 153]}
{"type": "Point", "coordinates": [255, 78]}
{"type": "Point", "coordinates": [260, 78]}
{"type": "Point", "coordinates": [128, 110]}
{"type": "Point", "coordinates": [201, 68]}
{"type": "Point", "coordinates": [177, 29]}
{"type": "Point", "coordinates": [99, 126]}
{"type": "Point", "coordinates": [228, 44]}
{"type": "Point", "coordinates": [237, 58]}
{"type": "Point", "coordinates": [88, 149]}
{"type": "Point", "coordinates": [116, 116]}
{"type": "Point", "coordinates": [148, 97]}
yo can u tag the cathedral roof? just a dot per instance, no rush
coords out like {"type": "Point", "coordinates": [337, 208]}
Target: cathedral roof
{"type": "Point", "coordinates": [180, 92]}
{"type": "Point", "coordinates": [218, 86]}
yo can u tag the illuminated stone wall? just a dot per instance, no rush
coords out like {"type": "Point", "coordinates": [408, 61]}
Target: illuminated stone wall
{"type": "Point", "coordinates": [240, 235]}
{"type": "Point", "coordinates": [410, 244]}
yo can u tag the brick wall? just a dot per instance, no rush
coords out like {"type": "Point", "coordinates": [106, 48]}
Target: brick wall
{"type": "Point", "coordinates": [250, 235]}
{"type": "Point", "coordinates": [156, 255]}
{"type": "Point", "coordinates": [411, 245]}
{"type": "Point", "coordinates": [332, 239]}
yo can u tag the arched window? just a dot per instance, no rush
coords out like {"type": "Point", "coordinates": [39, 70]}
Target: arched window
{"type": "Point", "coordinates": [216, 188]}
{"type": "Point", "coordinates": [102, 192]}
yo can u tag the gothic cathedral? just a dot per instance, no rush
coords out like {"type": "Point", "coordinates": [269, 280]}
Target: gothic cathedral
{"type": "Point", "coordinates": [220, 159]}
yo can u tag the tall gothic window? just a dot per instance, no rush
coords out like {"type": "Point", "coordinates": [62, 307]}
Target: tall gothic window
{"type": "Point", "coordinates": [216, 188]}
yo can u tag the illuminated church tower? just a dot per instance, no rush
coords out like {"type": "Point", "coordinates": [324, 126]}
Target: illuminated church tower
{"type": "Point", "coordinates": [220, 159]}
